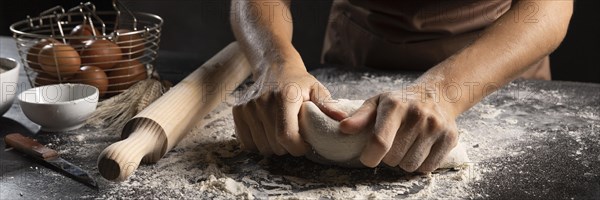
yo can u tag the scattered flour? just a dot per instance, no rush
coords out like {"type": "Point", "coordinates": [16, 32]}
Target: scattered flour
{"type": "Point", "coordinates": [208, 163]}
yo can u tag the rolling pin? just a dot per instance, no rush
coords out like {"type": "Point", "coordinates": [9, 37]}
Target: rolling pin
{"type": "Point", "coordinates": [149, 135]}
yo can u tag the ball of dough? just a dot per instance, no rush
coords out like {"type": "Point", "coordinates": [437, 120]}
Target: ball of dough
{"type": "Point", "coordinates": [333, 147]}
{"type": "Point", "coordinates": [322, 133]}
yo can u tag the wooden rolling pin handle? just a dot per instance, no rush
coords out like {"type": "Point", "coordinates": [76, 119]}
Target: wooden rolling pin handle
{"type": "Point", "coordinates": [119, 160]}
{"type": "Point", "coordinates": [171, 117]}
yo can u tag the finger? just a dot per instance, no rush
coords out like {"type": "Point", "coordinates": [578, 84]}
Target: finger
{"type": "Point", "coordinates": [361, 118]}
{"type": "Point", "coordinates": [439, 151]}
{"type": "Point", "coordinates": [242, 131]}
{"type": "Point", "coordinates": [288, 134]}
{"type": "Point", "coordinates": [320, 95]}
{"type": "Point", "coordinates": [389, 117]}
{"type": "Point", "coordinates": [402, 143]}
{"type": "Point", "coordinates": [258, 135]}
{"type": "Point", "coordinates": [411, 126]}
{"type": "Point", "coordinates": [417, 153]}
{"type": "Point", "coordinates": [268, 116]}
{"type": "Point", "coordinates": [270, 131]}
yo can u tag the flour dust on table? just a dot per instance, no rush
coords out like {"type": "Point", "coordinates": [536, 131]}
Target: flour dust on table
{"type": "Point", "coordinates": [208, 163]}
{"type": "Point", "coordinates": [516, 139]}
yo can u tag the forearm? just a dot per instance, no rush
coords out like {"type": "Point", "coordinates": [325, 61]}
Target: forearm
{"type": "Point", "coordinates": [264, 30]}
{"type": "Point", "coordinates": [501, 54]}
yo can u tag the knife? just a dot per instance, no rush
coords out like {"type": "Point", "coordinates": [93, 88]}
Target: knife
{"type": "Point", "coordinates": [49, 156]}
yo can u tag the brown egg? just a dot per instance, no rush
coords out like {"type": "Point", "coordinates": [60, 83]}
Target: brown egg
{"type": "Point", "coordinates": [132, 45]}
{"type": "Point", "coordinates": [82, 33]}
{"type": "Point", "coordinates": [32, 54]}
{"type": "Point", "coordinates": [125, 74]}
{"type": "Point", "coordinates": [101, 53]}
{"type": "Point", "coordinates": [94, 76]}
{"type": "Point", "coordinates": [42, 79]}
{"type": "Point", "coordinates": [60, 58]}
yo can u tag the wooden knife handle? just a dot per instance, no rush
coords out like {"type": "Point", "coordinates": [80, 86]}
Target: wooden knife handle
{"type": "Point", "coordinates": [29, 146]}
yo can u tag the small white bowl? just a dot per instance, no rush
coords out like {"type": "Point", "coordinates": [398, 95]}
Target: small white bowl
{"type": "Point", "coordinates": [60, 107]}
{"type": "Point", "coordinates": [9, 75]}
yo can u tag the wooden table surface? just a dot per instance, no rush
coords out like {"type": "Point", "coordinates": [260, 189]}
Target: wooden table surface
{"type": "Point", "coordinates": [534, 139]}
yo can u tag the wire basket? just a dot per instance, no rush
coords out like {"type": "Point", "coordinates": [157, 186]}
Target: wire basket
{"type": "Point", "coordinates": [111, 50]}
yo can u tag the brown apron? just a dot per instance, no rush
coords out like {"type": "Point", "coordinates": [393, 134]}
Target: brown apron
{"type": "Point", "coordinates": [409, 35]}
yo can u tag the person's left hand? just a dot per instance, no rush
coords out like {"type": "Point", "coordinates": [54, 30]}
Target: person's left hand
{"type": "Point", "coordinates": [411, 130]}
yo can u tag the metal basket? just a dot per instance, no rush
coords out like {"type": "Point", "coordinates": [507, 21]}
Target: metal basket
{"type": "Point", "coordinates": [42, 44]}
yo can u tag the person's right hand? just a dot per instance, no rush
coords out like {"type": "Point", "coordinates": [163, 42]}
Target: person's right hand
{"type": "Point", "coordinates": [267, 120]}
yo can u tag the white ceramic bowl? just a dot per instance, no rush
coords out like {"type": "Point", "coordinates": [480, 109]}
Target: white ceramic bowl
{"type": "Point", "coordinates": [9, 75]}
{"type": "Point", "coordinates": [60, 107]}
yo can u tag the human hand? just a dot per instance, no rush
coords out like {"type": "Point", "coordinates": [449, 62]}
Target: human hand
{"type": "Point", "coordinates": [411, 130]}
{"type": "Point", "coordinates": [268, 119]}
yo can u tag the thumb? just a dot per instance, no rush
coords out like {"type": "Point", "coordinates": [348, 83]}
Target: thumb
{"type": "Point", "coordinates": [361, 118]}
{"type": "Point", "coordinates": [322, 98]}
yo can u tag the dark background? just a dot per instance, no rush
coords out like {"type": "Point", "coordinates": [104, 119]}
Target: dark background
{"type": "Point", "coordinates": [195, 30]}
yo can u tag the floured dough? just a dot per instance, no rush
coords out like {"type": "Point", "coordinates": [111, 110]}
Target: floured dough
{"type": "Point", "coordinates": [333, 147]}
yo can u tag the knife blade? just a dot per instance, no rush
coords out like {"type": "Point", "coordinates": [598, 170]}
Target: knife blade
{"type": "Point", "coordinates": [50, 157]}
